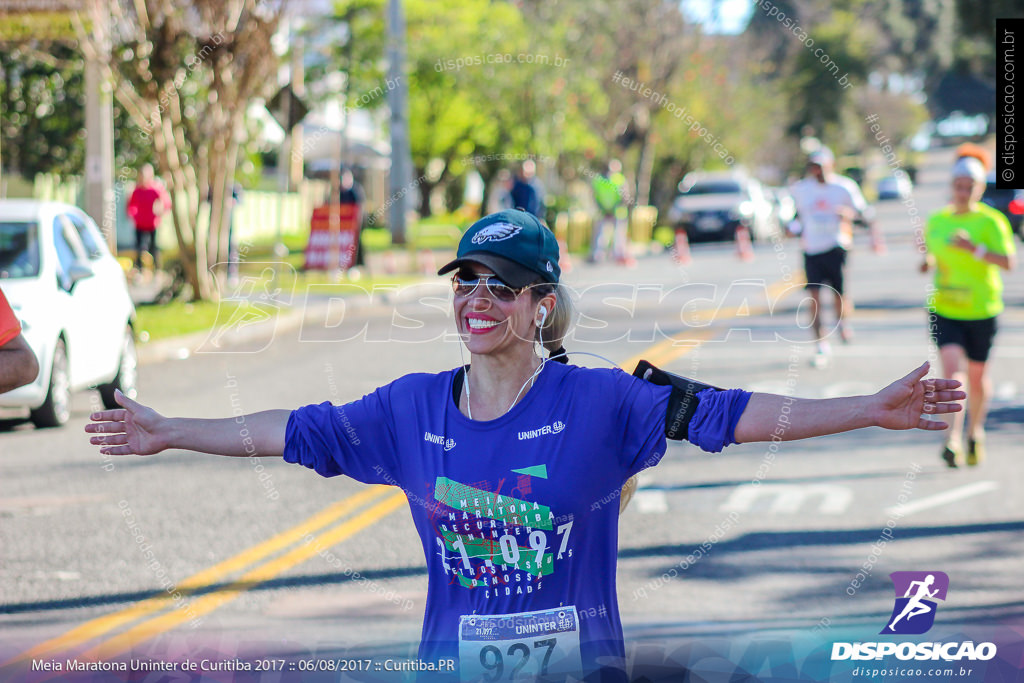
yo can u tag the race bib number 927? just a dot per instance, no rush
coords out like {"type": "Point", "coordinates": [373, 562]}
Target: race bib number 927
{"type": "Point", "coordinates": [506, 647]}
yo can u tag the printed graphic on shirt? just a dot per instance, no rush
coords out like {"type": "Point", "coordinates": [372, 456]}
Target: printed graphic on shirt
{"type": "Point", "coordinates": [488, 537]}
{"type": "Point", "coordinates": [439, 440]}
{"type": "Point", "coordinates": [536, 471]}
{"type": "Point", "coordinates": [554, 428]}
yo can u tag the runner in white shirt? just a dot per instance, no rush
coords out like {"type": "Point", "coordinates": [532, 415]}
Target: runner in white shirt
{"type": "Point", "coordinates": [826, 205]}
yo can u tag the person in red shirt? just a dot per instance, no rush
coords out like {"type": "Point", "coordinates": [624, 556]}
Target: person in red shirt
{"type": "Point", "coordinates": [146, 206]}
{"type": "Point", "coordinates": [18, 365]}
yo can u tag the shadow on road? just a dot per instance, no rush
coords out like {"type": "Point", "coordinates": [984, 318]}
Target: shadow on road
{"type": "Point", "coordinates": [712, 567]}
{"type": "Point", "coordinates": [303, 581]}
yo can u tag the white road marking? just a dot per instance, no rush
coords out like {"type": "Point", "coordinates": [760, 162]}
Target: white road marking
{"type": "Point", "coordinates": [1005, 391]}
{"type": "Point", "coordinates": [938, 499]}
{"type": "Point", "coordinates": [649, 502]}
{"type": "Point", "coordinates": [866, 351]}
{"type": "Point", "coordinates": [789, 498]}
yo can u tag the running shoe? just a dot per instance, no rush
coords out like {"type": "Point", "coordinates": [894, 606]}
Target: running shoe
{"type": "Point", "coordinates": [975, 451]}
{"type": "Point", "coordinates": [845, 333]}
{"type": "Point", "coordinates": [950, 456]}
{"type": "Point", "coordinates": [821, 356]}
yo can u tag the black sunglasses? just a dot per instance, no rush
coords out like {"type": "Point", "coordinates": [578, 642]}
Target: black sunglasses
{"type": "Point", "coordinates": [464, 285]}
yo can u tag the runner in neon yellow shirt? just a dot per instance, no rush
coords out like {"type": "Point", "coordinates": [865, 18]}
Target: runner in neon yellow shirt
{"type": "Point", "coordinates": [968, 243]}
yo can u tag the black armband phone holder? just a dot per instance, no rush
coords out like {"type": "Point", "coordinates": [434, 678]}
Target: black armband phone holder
{"type": "Point", "coordinates": [682, 402]}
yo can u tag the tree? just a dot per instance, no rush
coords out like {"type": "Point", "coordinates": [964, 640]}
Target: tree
{"type": "Point", "coordinates": [350, 44]}
{"type": "Point", "coordinates": [185, 73]}
{"type": "Point", "coordinates": [43, 112]}
{"type": "Point", "coordinates": [42, 104]}
{"type": "Point", "coordinates": [646, 41]}
{"type": "Point", "coordinates": [461, 105]}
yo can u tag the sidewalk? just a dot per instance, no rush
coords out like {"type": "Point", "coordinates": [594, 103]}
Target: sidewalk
{"type": "Point", "coordinates": [314, 306]}
{"type": "Point", "coordinates": [291, 314]}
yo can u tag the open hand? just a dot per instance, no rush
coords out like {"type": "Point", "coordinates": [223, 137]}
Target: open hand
{"type": "Point", "coordinates": [134, 429]}
{"type": "Point", "coordinates": [901, 404]}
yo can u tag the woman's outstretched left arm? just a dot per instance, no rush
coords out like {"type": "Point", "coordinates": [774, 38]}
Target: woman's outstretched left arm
{"type": "Point", "coordinates": [901, 405]}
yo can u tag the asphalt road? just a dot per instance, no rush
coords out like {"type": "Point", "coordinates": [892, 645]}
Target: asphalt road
{"type": "Point", "coordinates": [725, 550]}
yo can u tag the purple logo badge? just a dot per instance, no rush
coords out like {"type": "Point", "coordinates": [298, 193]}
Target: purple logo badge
{"type": "Point", "coordinates": [916, 593]}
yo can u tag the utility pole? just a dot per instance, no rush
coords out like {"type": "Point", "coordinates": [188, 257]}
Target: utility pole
{"type": "Point", "coordinates": [99, 137]}
{"type": "Point", "coordinates": [400, 178]}
{"type": "Point", "coordinates": [298, 83]}
{"type": "Point", "coordinates": [283, 162]}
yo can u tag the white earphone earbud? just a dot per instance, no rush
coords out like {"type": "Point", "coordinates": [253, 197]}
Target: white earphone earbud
{"type": "Point", "coordinates": [543, 316]}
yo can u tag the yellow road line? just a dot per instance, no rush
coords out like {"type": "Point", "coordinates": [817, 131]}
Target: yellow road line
{"type": "Point", "coordinates": [680, 344]}
{"type": "Point", "coordinates": [97, 627]}
{"type": "Point", "coordinates": [207, 603]}
{"type": "Point", "coordinates": [683, 343]}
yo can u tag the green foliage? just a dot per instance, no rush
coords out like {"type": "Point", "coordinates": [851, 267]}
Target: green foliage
{"type": "Point", "coordinates": [815, 86]}
{"type": "Point", "coordinates": [42, 114]}
{"type": "Point", "coordinates": [351, 42]}
{"type": "Point", "coordinates": [41, 102]}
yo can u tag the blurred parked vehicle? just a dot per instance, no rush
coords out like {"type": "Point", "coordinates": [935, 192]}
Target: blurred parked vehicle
{"type": "Point", "coordinates": [896, 186]}
{"type": "Point", "coordinates": [72, 299]}
{"type": "Point", "coordinates": [783, 206]}
{"type": "Point", "coordinates": [711, 206]}
{"type": "Point", "coordinates": [1009, 202]}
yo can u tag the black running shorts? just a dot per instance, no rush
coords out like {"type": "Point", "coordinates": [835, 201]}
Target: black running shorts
{"type": "Point", "coordinates": [974, 336]}
{"type": "Point", "coordinates": [825, 269]}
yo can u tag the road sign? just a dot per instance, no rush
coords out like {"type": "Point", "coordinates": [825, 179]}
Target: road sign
{"type": "Point", "coordinates": [297, 109]}
{"type": "Point", "coordinates": [333, 232]}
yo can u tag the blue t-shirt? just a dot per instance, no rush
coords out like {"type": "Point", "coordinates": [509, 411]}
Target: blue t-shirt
{"type": "Point", "coordinates": [516, 514]}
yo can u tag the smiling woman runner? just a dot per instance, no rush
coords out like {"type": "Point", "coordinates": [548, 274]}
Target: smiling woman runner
{"type": "Point", "coordinates": [518, 453]}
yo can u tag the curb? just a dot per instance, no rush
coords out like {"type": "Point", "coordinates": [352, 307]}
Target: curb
{"type": "Point", "coordinates": [261, 334]}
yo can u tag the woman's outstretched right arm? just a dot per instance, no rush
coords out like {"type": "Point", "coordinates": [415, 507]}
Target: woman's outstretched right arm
{"type": "Point", "coordinates": [135, 429]}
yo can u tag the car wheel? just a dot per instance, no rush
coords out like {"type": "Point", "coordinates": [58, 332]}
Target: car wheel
{"type": "Point", "coordinates": [56, 409]}
{"type": "Point", "coordinates": [127, 373]}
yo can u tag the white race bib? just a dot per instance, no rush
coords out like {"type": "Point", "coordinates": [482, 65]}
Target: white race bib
{"type": "Point", "coordinates": [823, 225]}
{"type": "Point", "coordinates": [507, 647]}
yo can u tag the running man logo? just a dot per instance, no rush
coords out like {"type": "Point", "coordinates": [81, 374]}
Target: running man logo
{"type": "Point", "coordinates": [916, 592]}
{"type": "Point", "coordinates": [247, 317]}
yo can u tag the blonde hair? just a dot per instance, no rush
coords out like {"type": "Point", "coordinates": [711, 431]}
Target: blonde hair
{"type": "Point", "coordinates": [556, 324]}
{"type": "Point", "coordinates": [628, 489]}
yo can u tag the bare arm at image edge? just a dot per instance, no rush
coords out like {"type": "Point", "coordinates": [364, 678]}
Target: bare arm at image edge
{"type": "Point", "coordinates": [136, 429]}
{"type": "Point", "coordinates": [18, 364]}
{"type": "Point", "coordinates": [901, 405]}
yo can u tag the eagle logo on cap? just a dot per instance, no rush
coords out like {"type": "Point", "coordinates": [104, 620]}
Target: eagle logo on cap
{"type": "Point", "coordinates": [496, 232]}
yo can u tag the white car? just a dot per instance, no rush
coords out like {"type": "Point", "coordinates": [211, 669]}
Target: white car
{"type": "Point", "coordinates": [712, 205]}
{"type": "Point", "coordinates": [72, 299]}
{"type": "Point", "coordinates": [896, 186]}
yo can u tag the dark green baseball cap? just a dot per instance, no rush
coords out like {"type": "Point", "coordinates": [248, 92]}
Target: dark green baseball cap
{"type": "Point", "coordinates": [514, 244]}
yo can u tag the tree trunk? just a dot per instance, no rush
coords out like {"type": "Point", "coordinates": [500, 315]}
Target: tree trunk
{"type": "Point", "coordinates": [166, 162]}
{"type": "Point", "coordinates": [487, 174]}
{"type": "Point", "coordinates": [426, 189]}
{"type": "Point", "coordinates": [644, 171]}
{"type": "Point", "coordinates": [194, 138]}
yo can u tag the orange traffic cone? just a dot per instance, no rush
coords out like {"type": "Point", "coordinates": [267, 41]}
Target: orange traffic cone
{"type": "Point", "coordinates": [425, 262]}
{"type": "Point", "coordinates": [682, 250]}
{"type": "Point", "coordinates": [744, 249]}
{"type": "Point", "coordinates": [564, 259]}
{"type": "Point", "coordinates": [390, 265]}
